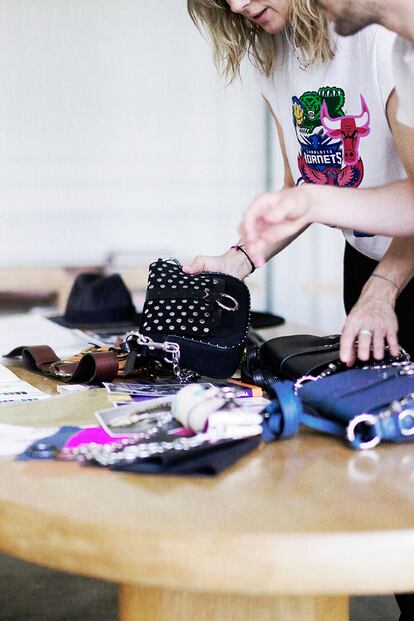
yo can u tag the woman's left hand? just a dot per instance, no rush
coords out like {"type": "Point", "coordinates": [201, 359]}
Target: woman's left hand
{"type": "Point", "coordinates": [371, 324]}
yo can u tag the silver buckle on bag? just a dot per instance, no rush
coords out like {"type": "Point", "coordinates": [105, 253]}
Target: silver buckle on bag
{"type": "Point", "coordinates": [166, 346]}
{"type": "Point", "coordinates": [366, 419]}
{"type": "Point", "coordinates": [56, 372]}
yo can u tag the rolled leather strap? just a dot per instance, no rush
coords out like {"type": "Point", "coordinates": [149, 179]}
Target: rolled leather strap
{"type": "Point", "coordinates": [283, 416]}
{"type": "Point", "coordinates": [90, 368]}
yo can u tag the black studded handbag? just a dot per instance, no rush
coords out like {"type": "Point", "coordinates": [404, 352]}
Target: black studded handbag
{"type": "Point", "coordinates": [206, 315]}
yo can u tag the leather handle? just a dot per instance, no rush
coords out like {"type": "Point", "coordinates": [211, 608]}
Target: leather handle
{"type": "Point", "coordinates": [90, 368]}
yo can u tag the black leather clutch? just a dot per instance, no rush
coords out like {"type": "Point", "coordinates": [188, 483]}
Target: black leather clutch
{"type": "Point", "coordinates": [291, 357]}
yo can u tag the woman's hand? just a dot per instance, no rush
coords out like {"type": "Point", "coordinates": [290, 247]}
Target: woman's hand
{"type": "Point", "coordinates": [232, 262]}
{"type": "Point", "coordinates": [274, 217]}
{"type": "Point", "coordinates": [371, 324]}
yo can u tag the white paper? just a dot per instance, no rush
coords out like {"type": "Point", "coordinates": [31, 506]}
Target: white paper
{"type": "Point", "coordinates": [65, 388]}
{"type": "Point", "coordinates": [6, 375]}
{"type": "Point", "coordinates": [13, 389]}
{"type": "Point", "coordinates": [19, 392]}
{"type": "Point", "coordinates": [34, 329]}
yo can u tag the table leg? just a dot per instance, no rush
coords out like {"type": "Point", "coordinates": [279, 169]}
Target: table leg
{"type": "Point", "coordinates": [152, 604]}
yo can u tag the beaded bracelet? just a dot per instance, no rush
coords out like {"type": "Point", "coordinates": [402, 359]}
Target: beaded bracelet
{"type": "Point", "coordinates": [241, 249]}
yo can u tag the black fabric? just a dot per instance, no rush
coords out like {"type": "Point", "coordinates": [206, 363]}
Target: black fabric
{"type": "Point", "coordinates": [253, 371]}
{"type": "Point", "coordinates": [357, 270]}
{"type": "Point", "coordinates": [97, 301]}
{"type": "Point", "coordinates": [260, 320]}
{"type": "Point", "coordinates": [405, 602]}
{"type": "Point", "coordinates": [292, 357]}
{"type": "Point", "coordinates": [206, 460]}
{"type": "Point", "coordinates": [254, 338]}
{"type": "Point", "coordinates": [202, 461]}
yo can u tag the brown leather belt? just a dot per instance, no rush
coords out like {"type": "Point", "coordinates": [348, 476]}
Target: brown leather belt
{"type": "Point", "coordinates": [86, 368]}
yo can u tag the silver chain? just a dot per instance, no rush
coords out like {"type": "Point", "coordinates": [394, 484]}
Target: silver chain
{"type": "Point", "coordinates": [171, 349]}
{"type": "Point", "coordinates": [129, 452]}
{"type": "Point", "coordinates": [396, 407]}
{"type": "Point", "coordinates": [403, 361]}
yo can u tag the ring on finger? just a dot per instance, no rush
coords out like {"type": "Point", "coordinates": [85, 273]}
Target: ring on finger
{"type": "Point", "coordinates": [366, 332]}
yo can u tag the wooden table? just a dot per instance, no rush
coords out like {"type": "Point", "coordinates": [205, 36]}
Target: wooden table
{"type": "Point", "coordinates": [287, 534]}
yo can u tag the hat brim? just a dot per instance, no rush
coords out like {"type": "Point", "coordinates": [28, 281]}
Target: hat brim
{"type": "Point", "coordinates": [260, 320]}
{"type": "Point", "coordinates": [99, 327]}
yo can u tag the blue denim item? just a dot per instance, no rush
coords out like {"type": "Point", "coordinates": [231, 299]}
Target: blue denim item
{"type": "Point", "coordinates": [357, 390]}
{"type": "Point", "coordinates": [50, 447]}
{"type": "Point", "coordinates": [364, 406]}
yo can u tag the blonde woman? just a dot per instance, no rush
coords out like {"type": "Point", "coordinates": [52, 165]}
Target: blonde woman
{"type": "Point", "coordinates": [334, 109]}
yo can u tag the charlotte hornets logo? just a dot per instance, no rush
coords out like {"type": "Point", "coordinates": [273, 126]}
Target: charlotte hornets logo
{"type": "Point", "coordinates": [329, 139]}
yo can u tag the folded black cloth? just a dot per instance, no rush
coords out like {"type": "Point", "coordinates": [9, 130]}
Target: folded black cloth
{"type": "Point", "coordinates": [202, 461]}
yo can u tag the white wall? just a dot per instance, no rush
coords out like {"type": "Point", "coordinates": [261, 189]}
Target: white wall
{"type": "Point", "coordinates": [117, 133]}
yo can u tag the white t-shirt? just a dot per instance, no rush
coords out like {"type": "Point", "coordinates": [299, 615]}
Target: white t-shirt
{"type": "Point", "coordinates": [403, 67]}
{"type": "Point", "coordinates": [333, 117]}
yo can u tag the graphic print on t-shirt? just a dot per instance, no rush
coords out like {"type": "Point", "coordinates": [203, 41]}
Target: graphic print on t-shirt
{"type": "Point", "coordinates": [329, 139]}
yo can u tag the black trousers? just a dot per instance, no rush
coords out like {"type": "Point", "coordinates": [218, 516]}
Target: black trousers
{"type": "Point", "coordinates": [357, 270]}
{"type": "Point", "coordinates": [406, 604]}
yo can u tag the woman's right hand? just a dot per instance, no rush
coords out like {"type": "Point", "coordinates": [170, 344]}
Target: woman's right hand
{"type": "Point", "coordinates": [232, 262]}
{"type": "Point", "coordinates": [273, 218]}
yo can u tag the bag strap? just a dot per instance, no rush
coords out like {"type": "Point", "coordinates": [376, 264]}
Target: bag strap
{"type": "Point", "coordinates": [285, 414]}
{"type": "Point", "coordinates": [282, 418]}
{"type": "Point", "coordinates": [90, 367]}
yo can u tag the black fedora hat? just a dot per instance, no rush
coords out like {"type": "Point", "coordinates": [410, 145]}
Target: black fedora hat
{"type": "Point", "coordinates": [99, 302]}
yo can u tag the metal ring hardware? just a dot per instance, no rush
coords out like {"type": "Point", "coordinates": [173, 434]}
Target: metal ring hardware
{"type": "Point", "coordinates": [404, 415]}
{"type": "Point", "coordinates": [228, 297]}
{"type": "Point", "coordinates": [55, 372]}
{"type": "Point", "coordinates": [365, 419]}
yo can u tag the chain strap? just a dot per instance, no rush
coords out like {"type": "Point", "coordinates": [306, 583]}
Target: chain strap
{"type": "Point", "coordinates": [129, 451]}
{"type": "Point", "coordinates": [403, 361]}
{"type": "Point", "coordinates": [172, 351]}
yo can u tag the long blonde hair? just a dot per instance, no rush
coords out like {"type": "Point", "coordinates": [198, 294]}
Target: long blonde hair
{"type": "Point", "coordinates": [233, 35]}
